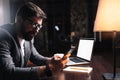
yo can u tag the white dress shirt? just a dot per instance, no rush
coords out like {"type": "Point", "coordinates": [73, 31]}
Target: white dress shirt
{"type": "Point", "coordinates": [21, 41]}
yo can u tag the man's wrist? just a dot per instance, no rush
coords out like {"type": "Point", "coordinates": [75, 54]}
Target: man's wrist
{"type": "Point", "coordinates": [48, 71]}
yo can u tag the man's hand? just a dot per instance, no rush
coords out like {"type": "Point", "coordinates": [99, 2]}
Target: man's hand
{"type": "Point", "coordinates": [57, 63]}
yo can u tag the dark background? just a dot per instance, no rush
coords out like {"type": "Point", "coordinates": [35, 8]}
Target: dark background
{"type": "Point", "coordinates": [67, 15]}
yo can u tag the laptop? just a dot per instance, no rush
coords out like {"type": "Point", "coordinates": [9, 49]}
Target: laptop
{"type": "Point", "coordinates": [84, 52]}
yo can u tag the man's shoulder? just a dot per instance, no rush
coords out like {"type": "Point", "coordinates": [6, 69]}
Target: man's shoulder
{"type": "Point", "coordinates": [5, 30]}
{"type": "Point", "coordinates": [7, 26]}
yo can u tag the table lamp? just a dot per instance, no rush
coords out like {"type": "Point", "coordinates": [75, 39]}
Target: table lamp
{"type": "Point", "coordinates": [108, 20]}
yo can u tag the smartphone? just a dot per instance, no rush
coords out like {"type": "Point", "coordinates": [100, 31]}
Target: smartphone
{"type": "Point", "coordinates": [68, 54]}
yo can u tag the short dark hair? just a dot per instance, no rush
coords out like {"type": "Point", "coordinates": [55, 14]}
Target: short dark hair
{"type": "Point", "coordinates": [30, 10]}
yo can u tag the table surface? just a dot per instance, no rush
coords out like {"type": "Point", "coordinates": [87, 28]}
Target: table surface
{"type": "Point", "coordinates": [98, 64]}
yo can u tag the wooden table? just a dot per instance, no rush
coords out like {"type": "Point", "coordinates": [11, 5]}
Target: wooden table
{"type": "Point", "coordinates": [99, 66]}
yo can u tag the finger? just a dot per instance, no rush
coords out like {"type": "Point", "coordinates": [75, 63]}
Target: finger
{"type": "Point", "coordinates": [65, 61]}
{"type": "Point", "coordinates": [57, 57]}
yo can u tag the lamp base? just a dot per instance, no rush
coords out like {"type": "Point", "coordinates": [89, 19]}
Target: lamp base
{"type": "Point", "coordinates": [109, 76]}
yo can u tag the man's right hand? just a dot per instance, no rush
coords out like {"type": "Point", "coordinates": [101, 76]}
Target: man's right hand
{"type": "Point", "coordinates": [57, 65]}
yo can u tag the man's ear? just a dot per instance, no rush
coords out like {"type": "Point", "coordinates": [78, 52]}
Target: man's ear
{"type": "Point", "coordinates": [19, 20]}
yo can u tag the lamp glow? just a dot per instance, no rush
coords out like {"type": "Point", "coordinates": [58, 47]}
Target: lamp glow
{"type": "Point", "coordinates": [108, 16]}
{"type": "Point", "coordinates": [108, 20]}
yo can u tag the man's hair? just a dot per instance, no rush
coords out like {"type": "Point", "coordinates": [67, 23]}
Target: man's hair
{"type": "Point", "coordinates": [29, 10]}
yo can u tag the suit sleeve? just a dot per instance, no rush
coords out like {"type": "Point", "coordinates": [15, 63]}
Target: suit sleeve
{"type": "Point", "coordinates": [36, 58]}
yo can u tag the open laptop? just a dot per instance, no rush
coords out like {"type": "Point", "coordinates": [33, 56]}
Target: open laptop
{"type": "Point", "coordinates": [84, 52]}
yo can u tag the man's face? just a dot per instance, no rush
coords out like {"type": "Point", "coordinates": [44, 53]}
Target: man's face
{"type": "Point", "coordinates": [30, 27]}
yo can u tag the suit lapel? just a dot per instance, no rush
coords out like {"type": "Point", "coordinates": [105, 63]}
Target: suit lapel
{"type": "Point", "coordinates": [19, 51]}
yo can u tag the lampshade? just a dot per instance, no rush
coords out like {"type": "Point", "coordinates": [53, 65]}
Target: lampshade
{"type": "Point", "coordinates": [108, 16]}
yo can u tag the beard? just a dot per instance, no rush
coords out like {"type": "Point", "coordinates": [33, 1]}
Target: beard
{"type": "Point", "coordinates": [28, 36]}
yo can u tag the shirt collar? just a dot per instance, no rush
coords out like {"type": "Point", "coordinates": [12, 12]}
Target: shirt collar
{"type": "Point", "coordinates": [21, 42]}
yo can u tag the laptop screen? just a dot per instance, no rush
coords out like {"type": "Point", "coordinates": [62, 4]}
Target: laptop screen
{"type": "Point", "coordinates": [85, 48]}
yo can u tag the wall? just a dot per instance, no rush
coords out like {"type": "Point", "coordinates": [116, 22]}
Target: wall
{"type": "Point", "coordinates": [79, 17]}
{"type": "Point", "coordinates": [4, 12]}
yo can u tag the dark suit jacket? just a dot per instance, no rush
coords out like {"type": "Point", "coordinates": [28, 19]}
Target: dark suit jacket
{"type": "Point", "coordinates": [12, 64]}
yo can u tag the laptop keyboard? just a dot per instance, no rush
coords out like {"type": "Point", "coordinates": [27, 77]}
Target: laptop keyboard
{"type": "Point", "coordinates": [76, 59]}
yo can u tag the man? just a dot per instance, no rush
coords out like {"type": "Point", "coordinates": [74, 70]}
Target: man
{"type": "Point", "coordinates": [16, 47]}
